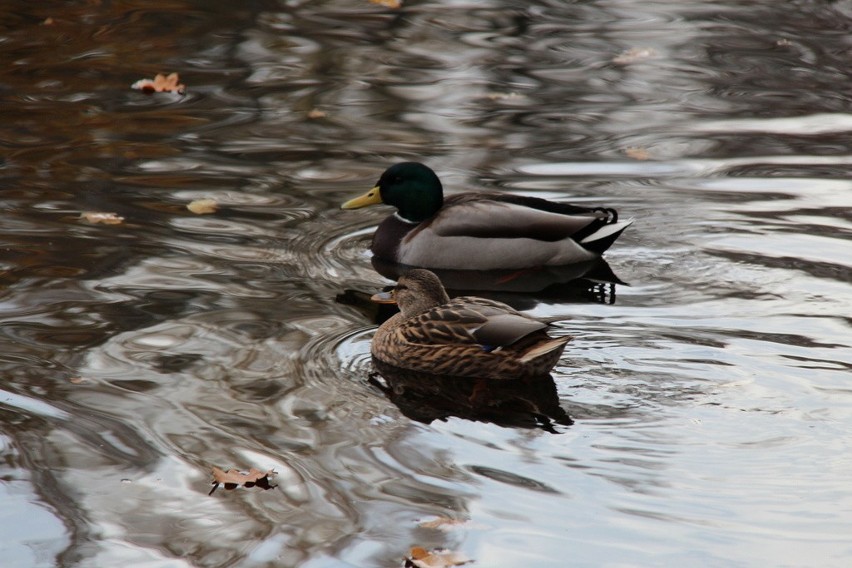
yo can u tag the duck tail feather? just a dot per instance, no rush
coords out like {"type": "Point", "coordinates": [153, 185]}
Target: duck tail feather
{"type": "Point", "coordinates": [603, 238]}
{"type": "Point", "coordinates": [545, 349]}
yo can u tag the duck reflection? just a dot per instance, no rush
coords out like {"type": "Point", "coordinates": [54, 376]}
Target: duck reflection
{"type": "Point", "coordinates": [587, 282]}
{"type": "Point", "coordinates": [591, 281]}
{"type": "Point", "coordinates": [424, 397]}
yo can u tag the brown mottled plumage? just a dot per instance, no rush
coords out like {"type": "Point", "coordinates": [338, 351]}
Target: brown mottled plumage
{"type": "Point", "coordinates": [463, 337]}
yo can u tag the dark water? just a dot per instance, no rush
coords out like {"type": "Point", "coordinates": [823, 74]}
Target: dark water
{"type": "Point", "coordinates": [711, 400]}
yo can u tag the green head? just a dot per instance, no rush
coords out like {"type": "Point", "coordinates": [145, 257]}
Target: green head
{"type": "Point", "coordinates": [411, 187]}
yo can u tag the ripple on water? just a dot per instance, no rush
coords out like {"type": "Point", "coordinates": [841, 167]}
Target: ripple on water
{"type": "Point", "coordinates": [180, 274]}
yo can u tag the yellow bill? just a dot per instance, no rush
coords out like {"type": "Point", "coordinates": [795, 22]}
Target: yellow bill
{"type": "Point", "coordinates": [372, 197]}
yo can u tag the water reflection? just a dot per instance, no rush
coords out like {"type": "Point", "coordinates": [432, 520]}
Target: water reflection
{"type": "Point", "coordinates": [527, 403]}
{"type": "Point", "coordinates": [592, 281]}
{"type": "Point", "coordinates": [522, 289]}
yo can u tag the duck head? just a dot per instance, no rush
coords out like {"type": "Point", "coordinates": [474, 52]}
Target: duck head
{"type": "Point", "coordinates": [418, 290]}
{"type": "Point", "coordinates": [411, 187]}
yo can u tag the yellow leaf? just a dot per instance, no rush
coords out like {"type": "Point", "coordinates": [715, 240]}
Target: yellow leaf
{"type": "Point", "coordinates": [418, 552]}
{"type": "Point", "coordinates": [203, 206]}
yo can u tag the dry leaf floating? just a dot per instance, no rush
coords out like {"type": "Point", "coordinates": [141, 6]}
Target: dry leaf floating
{"type": "Point", "coordinates": [97, 217]}
{"type": "Point", "coordinates": [419, 557]}
{"type": "Point", "coordinates": [443, 524]}
{"type": "Point", "coordinates": [388, 3]}
{"type": "Point", "coordinates": [234, 478]}
{"type": "Point", "coordinates": [633, 55]}
{"type": "Point", "coordinates": [160, 84]}
{"type": "Point", "coordinates": [504, 96]}
{"type": "Point", "coordinates": [203, 206]}
{"type": "Point", "coordinates": [316, 113]}
{"type": "Point", "coordinates": [637, 153]}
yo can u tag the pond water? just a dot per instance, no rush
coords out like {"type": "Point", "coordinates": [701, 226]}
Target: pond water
{"type": "Point", "coordinates": [709, 383]}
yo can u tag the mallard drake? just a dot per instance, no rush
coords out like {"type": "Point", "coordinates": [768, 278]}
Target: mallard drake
{"type": "Point", "coordinates": [462, 337]}
{"type": "Point", "coordinates": [481, 231]}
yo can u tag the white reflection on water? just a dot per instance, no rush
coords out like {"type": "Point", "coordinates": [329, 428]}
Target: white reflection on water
{"type": "Point", "coordinates": [33, 534]}
{"type": "Point", "coordinates": [809, 125]}
{"type": "Point", "coordinates": [672, 168]}
{"type": "Point", "coordinates": [31, 406]}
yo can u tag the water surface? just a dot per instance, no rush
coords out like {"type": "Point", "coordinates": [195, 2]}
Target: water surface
{"type": "Point", "coordinates": [710, 394]}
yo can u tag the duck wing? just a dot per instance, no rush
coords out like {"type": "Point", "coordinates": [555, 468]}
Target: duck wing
{"type": "Point", "coordinates": [471, 321]}
{"type": "Point", "coordinates": [514, 216]}
{"type": "Point", "coordinates": [505, 329]}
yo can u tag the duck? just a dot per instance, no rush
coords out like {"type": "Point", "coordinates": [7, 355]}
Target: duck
{"type": "Point", "coordinates": [481, 230]}
{"type": "Point", "coordinates": [467, 336]}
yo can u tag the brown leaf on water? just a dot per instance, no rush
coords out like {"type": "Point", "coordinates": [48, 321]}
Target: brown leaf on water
{"type": "Point", "coordinates": [48, 21]}
{"type": "Point", "coordinates": [388, 3]}
{"type": "Point", "coordinates": [160, 84]}
{"type": "Point", "coordinates": [316, 113]}
{"type": "Point", "coordinates": [419, 557]}
{"type": "Point", "coordinates": [503, 96]}
{"type": "Point", "coordinates": [637, 153]}
{"type": "Point", "coordinates": [234, 478]}
{"type": "Point", "coordinates": [203, 206]}
{"type": "Point", "coordinates": [102, 217]}
{"type": "Point", "coordinates": [442, 523]}
{"type": "Point", "coordinates": [633, 55]}
{"type": "Point", "coordinates": [77, 380]}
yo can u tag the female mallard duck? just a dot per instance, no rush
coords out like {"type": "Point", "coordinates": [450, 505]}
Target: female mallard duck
{"type": "Point", "coordinates": [481, 231]}
{"type": "Point", "coordinates": [463, 337]}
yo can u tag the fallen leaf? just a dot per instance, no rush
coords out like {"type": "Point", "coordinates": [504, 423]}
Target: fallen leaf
{"type": "Point", "coordinates": [160, 84]}
{"type": "Point", "coordinates": [203, 206]}
{"type": "Point", "coordinates": [419, 557]}
{"type": "Point", "coordinates": [233, 478]}
{"type": "Point", "coordinates": [316, 113]}
{"type": "Point", "coordinates": [637, 153]}
{"type": "Point", "coordinates": [503, 96]}
{"type": "Point", "coordinates": [634, 54]}
{"type": "Point", "coordinates": [77, 380]}
{"type": "Point", "coordinates": [388, 3]}
{"type": "Point", "coordinates": [48, 21]}
{"type": "Point", "coordinates": [102, 218]}
{"type": "Point", "coordinates": [442, 523]}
